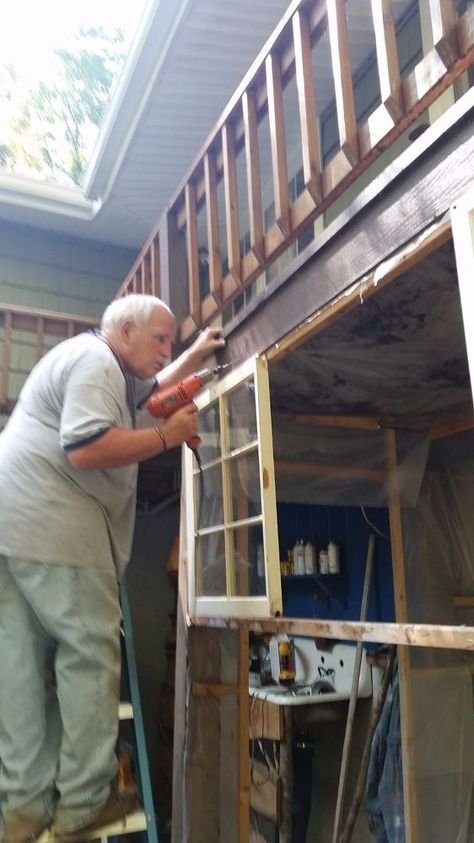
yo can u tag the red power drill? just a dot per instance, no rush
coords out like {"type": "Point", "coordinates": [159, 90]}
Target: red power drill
{"type": "Point", "coordinates": [164, 403]}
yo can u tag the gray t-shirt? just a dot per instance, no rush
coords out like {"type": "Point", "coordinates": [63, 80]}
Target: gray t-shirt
{"type": "Point", "coordinates": [51, 512]}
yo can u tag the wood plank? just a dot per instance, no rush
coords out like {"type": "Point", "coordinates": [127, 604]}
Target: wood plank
{"type": "Point", "coordinates": [403, 653]}
{"type": "Point", "coordinates": [192, 253]}
{"type": "Point", "coordinates": [213, 235]}
{"type": "Point", "coordinates": [7, 342]}
{"type": "Point", "coordinates": [443, 21]}
{"type": "Point", "coordinates": [464, 601]}
{"type": "Point", "coordinates": [146, 274]}
{"type": "Point", "coordinates": [254, 187]}
{"type": "Point", "coordinates": [342, 73]}
{"type": "Point", "coordinates": [24, 318]}
{"type": "Point", "coordinates": [155, 267]}
{"type": "Point", "coordinates": [265, 793]}
{"type": "Point", "coordinates": [39, 338]}
{"type": "Point", "coordinates": [303, 469]}
{"type": "Point", "coordinates": [435, 636]}
{"type": "Point", "coordinates": [354, 422]}
{"type": "Point", "coordinates": [214, 690]}
{"type": "Point", "coordinates": [310, 140]}
{"type": "Point", "coordinates": [387, 58]}
{"type": "Point", "coordinates": [244, 770]}
{"type": "Point", "coordinates": [266, 720]}
{"type": "Point", "coordinates": [231, 203]}
{"type": "Point", "coordinates": [450, 428]}
{"type": "Point", "coordinates": [278, 142]}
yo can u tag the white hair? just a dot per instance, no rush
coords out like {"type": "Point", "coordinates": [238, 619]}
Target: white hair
{"type": "Point", "coordinates": [136, 308]}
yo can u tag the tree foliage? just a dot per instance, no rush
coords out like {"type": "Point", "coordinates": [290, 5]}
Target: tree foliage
{"type": "Point", "coordinates": [55, 127]}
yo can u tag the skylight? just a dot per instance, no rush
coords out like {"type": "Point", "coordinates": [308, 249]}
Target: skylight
{"type": "Point", "coordinates": [59, 64]}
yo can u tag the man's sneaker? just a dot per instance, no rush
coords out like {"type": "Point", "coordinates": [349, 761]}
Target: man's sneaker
{"type": "Point", "coordinates": [22, 827]}
{"type": "Point", "coordinates": [116, 809]}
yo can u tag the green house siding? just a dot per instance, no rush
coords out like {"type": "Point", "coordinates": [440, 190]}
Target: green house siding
{"type": "Point", "coordinates": [55, 273]}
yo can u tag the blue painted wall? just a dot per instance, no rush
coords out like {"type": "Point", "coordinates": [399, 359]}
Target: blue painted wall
{"type": "Point", "coordinates": [337, 596]}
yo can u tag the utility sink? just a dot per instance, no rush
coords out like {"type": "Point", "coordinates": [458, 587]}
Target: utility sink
{"type": "Point", "coordinates": [321, 676]}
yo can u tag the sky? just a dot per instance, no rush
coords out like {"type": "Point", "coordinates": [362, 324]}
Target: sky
{"type": "Point", "coordinates": [32, 30]}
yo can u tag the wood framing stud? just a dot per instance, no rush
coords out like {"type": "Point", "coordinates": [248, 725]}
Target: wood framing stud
{"type": "Point", "coordinates": [307, 106]}
{"type": "Point", "coordinates": [278, 142]}
{"type": "Point", "coordinates": [443, 23]}
{"type": "Point", "coordinates": [254, 189]}
{"type": "Point", "coordinates": [231, 202]}
{"type": "Point", "coordinates": [342, 72]}
{"type": "Point", "coordinates": [387, 57]}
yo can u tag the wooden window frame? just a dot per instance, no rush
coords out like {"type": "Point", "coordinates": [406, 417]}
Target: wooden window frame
{"type": "Point", "coordinates": [462, 224]}
{"type": "Point", "coordinates": [270, 604]}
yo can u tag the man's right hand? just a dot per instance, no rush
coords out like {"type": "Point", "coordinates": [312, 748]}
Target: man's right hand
{"type": "Point", "coordinates": [181, 426]}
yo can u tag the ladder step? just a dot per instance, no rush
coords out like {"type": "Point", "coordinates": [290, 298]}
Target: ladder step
{"type": "Point", "coordinates": [125, 711]}
{"type": "Point", "coordinates": [133, 823]}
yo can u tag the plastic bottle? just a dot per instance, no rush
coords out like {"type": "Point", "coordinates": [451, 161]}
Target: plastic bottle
{"type": "Point", "coordinates": [333, 558]}
{"type": "Point", "coordinates": [309, 557]}
{"type": "Point", "coordinates": [300, 557]}
{"type": "Point", "coordinates": [323, 562]}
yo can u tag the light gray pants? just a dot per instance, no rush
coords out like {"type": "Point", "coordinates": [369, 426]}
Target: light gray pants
{"type": "Point", "coordinates": [57, 747]}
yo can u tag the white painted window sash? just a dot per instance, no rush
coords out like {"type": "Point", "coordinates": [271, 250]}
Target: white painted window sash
{"type": "Point", "coordinates": [269, 604]}
{"type": "Point", "coordinates": [462, 221]}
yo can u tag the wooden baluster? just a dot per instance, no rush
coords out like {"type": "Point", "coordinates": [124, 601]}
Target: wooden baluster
{"type": "Point", "coordinates": [254, 189]}
{"type": "Point", "coordinates": [387, 58]}
{"type": "Point", "coordinates": [192, 254]}
{"type": "Point", "coordinates": [145, 274]}
{"type": "Point", "coordinates": [307, 107]}
{"type": "Point", "coordinates": [278, 143]}
{"type": "Point", "coordinates": [213, 238]}
{"type": "Point", "coordinates": [232, 281]}
{"type": "Point", "coordinates": [342, 72]}
{"type": "Point", "coordinates": [443, 22]}
{"type": "Point", "coordinates": [7, 341]}
{"type": "Point", "coordinates": [155, 285]}
{"type": "Point", "coordinates": [39, 338]}
{"type": "Point", "coordinates": [71, 328]}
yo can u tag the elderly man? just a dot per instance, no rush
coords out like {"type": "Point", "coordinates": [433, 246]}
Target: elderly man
{"type": "Point", "coordinates": [68, 468]}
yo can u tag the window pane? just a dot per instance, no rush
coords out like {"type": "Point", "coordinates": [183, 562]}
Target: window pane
{"type": "Point", "coordinates": [209, 431]}
{"type": "Point", "coordinates": [208, 497]}
{"type": "Point", "coordinates": [210, 565]}
{"type": "Point", "coordinates": [249, 565]}
{"type": "Point", "coordinates": [245, 483]}
{"type": "Point", "coordinates": [242, 415]}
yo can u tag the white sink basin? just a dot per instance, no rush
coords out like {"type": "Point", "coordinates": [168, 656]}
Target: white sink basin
{"type": "Point", "coordinates": [322, 676]}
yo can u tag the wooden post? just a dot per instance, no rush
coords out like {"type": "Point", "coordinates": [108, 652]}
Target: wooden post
{"type": "Point", "coordinates": [387, 58]}
{"type": "Point", "coordinates": [39, 338]}
{"type": "Point", "coordinates": [254, 190]}
{"type": "Point", "coordinates": [192, 253]}
{"type": "Point", "coordinates": [443, 23]}
{"type": "Point", "coordinates": [403, 653]}
{"type": "Point", "coordinates": [232, 281]}
{"type": "Point", "coordinates": [342, 72]}
{"type": "Point", "coordinates": [7, 340]}
{"type": "Point", "coordinates": [278, 143]}
{"type": "Point", "coordinates": [213, 237]}
{"type": "Point", "coordinates": [244, 770]}
{"type": "Point", "coordinates": [173, 273]}
{"type": "Point", "coordinates": [307, 106]}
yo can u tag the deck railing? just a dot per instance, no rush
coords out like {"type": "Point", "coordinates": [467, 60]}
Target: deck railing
{"type": "Point", "coordinates": [25, 335]}
{"type": "Point", "coordinates": [202, 224]}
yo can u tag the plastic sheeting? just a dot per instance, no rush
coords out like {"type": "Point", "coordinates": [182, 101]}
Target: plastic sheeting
{"type": "Point", "coordinates": [339, 464]}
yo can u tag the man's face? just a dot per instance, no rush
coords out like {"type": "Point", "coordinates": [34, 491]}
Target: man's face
{"type": "Point", "coordinates": [147, 350]}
